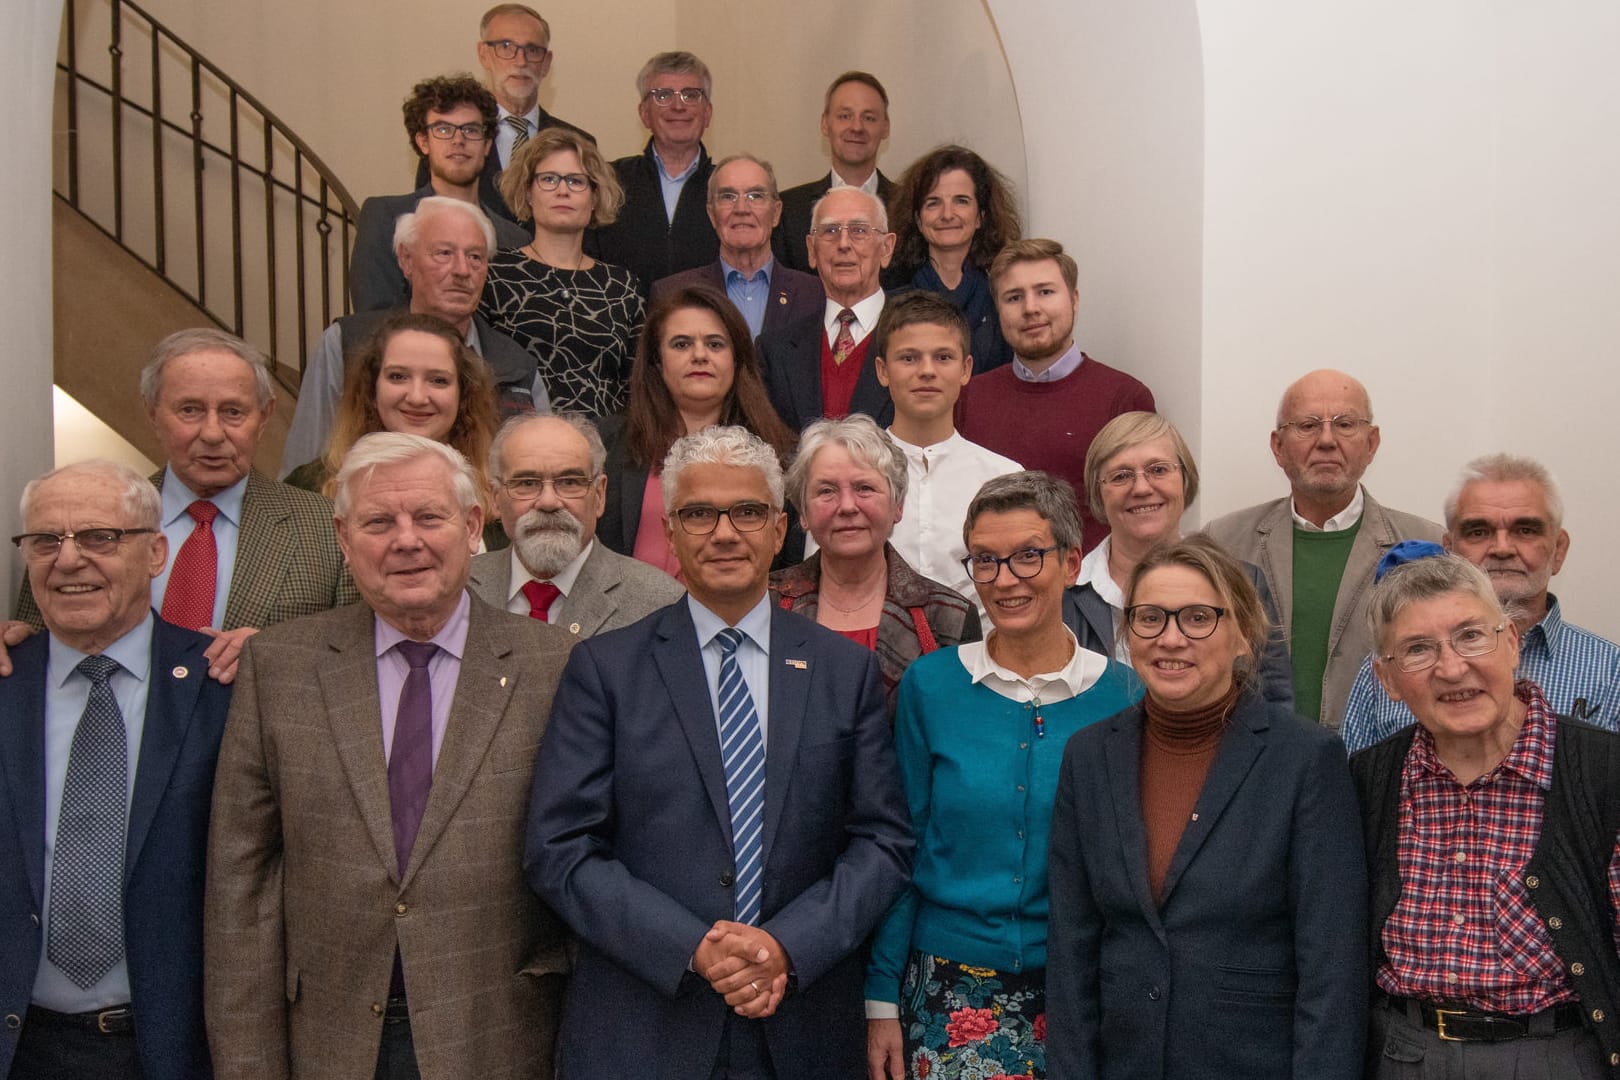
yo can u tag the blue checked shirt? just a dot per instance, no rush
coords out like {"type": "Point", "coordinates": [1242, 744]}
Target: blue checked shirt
{"type": "Point", "coordinates": [1578, 672]}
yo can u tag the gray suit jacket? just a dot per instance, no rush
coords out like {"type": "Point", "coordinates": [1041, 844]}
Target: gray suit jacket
{"type": "Point", "coordinates": [305, 904]}
{"type": "Point", "coordinates": [1264, 535]}
{"type": "Point", "coordinates": [612, 590]}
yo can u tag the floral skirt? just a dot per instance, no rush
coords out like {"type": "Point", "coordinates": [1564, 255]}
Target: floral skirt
{"type": "Point", "coordinates": [971, 1023]}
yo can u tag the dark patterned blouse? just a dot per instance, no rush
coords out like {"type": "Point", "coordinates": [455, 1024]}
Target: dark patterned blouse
{"type": "Point", "coordinates": [580, 325]}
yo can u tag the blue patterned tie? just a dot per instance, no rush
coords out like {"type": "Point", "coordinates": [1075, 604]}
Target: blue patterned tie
{"type": "Point", "coordinates": [742, 753]}
{"type": "Point", "coordinates": [86, 936]}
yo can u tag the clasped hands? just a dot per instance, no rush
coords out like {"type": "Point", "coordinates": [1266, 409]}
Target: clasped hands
{"type": "Point", "coordinates": [745, 965]}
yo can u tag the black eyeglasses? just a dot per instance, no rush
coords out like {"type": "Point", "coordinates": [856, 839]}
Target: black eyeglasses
{"type": "Point", "coordinates": [691, 95]}
{"type": "Point", "coordinates": [508, 49]}
{"type": "Point", "coordinates": [1195, 621]}
{"type": "Point", "coordinates": [444, 131]}
{"type": "Point", "coordinates": [745, 517]}
{"type": "Point", "coordinates": [573, 486]}
{"type": "Point", "coordinates": [1024, 563]}
{"type": "Point", "coordinates": [45, 545]}
{"type": "Point", "coordinates": [548, 181]}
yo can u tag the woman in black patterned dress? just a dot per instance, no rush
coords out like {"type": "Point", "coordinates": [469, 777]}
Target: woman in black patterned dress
{"type": "Point", "coordinates": [579, 317]}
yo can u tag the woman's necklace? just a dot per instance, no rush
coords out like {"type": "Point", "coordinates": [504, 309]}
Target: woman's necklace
{"type": "Point", "coordinates": [866, 601]}
{"type": "Point", "coordinates": [579, 264]}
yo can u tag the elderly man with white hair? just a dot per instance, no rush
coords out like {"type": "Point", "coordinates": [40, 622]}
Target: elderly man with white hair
{"type": "Point", "coordinates": [823, 366]}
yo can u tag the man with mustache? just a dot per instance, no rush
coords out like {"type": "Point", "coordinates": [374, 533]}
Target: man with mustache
{"type": "Point", "coordinates": [546, 474]}
{"type": "Point", "coordinates": [1506, 516]}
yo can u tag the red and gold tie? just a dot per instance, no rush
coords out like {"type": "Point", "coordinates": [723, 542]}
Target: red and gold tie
{"type": "Point", "coordinates": [844, 343]}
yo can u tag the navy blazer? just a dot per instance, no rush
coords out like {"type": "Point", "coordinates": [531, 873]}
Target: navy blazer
{"type": "Point", "coordinates": [1255, 963]}
{"type": "Point", "coordinates": [792, 362]}
{"type": "Point", "coordinates": [794, 296]}
{"type": "Point", "coordinates": [163, 858]}
{"type": "Point", "coordinates": [629, 840]}
{"type": "Point", "coordinates": [1092, 621]}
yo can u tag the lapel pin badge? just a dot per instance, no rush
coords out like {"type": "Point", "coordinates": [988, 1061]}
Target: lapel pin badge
{"type": "Point", "coordinates": [798, 665]}
{"type": "Point", "coordinates": [180, 672]}
{"type": "Point", "coordinates": [573, 628]}
{"type": "Point", "coordinates": [503, 680]}
{"type": "Point", "coordinates": [782, 299]}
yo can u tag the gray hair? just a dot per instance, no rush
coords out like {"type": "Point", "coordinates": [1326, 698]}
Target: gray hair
{"type": "Point", "coordinates": [578, 421]}
{"type": "Point", "coordinates": [406, 226]}
{"type": "Point", "coordinates": [673, 63]}
{"type": "Point", "coordinates": [1502, 469]}
{"type": "Point", "coordinates": [1425, 579]}
{"type": "Point", "coordinates": [140, 496]}
{"type": "Point", "coordinates": [770, 173]}
{"type": "Point", "coordinates": [734, 446]}
{"type": "Point", "coordinates": [1052, 497]}
{"type": "Point", "coordinates": [395, 448]}
{"type": "Point", "coordinates": [204, 339]}
{"type": "Point", "coordinates": [880, 213]}
{"type": "Point", "coordinates": [860, 436]}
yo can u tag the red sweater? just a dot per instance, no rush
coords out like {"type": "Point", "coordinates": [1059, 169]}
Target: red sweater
{"type": "Point", "coordinates": [838, 380]}
{"type": "Point", "coordinates": [1050, 425]}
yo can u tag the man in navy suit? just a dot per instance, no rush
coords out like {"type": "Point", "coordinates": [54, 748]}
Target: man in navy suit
{"type": "Point", "coordinates": [715, 810]}
{"type": "Point", "coordinates": [109, 730]}
{"type": "Point", "coordinates": [743, 208]}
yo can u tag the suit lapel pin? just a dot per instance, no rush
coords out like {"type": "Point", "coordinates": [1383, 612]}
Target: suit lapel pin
{"type": "Point", "coordinates": [799, 665]}
{"type": "Point", "coordinates": [180, 672]}
{"type": "Point", "coordinates": [781, 298]}
{"type": "Point", "coordinates": [1195, 815]}
{"type": "Point", "coordinates": [573, 628]}
{"type": "Point", "coordinates": [503, 680]}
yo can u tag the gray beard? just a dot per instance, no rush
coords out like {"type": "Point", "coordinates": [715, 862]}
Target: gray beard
{"type": "Point", "coordinates": [547, 541]}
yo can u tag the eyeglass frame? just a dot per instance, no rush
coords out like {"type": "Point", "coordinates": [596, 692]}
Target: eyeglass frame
{"type": "Point", "coordinates": [680, 513]}
{"type": "Point", "coordinates": [1173, 615]}
{"type": "Point", "coordinates": [1296, 429]}
{"type": "Point", "coordinates": [830, 231]}
{"type": "Point", "coordinates": [117, 542]}
{"type": "Point", "coordinates": [986, 559]}
{"type": "Point", "coordinates": [1122, 476]}
{"type": "Point", "coordinates": [512, 48]}
{"type": "Point", "coordinates": [477, 131]}
{"type": "Point", "coordinates": [756, 196]}
{"type": "Point", "coordinates": [689, 95]}
{"type": "Point", "coordinates": [1450, 639]}
{"type": "Point", "coordinates": [567, 180]}
{"type": "Point", "coordinates": [554, 482]}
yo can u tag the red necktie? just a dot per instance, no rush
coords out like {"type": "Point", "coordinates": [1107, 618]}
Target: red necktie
{"type": "Point", "coordinates": [844, 343]}
{"type": "Point", "coordinates": [189, 599]}
{"type": "Point", "coordinates": [541, 594]}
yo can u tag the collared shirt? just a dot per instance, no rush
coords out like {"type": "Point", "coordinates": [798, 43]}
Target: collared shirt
{"type": "Point", "coordinates": [177, 525]}
{"type": "Point", "coordinates": [1094, 572]}
{"type": "Point", "coordinates": [672, 185]}
{"type": "Point", "coordinates": [753, 656]}
{"type": "Point", "coordinates": [1577, 670]}
{"type": "Point", "coordinates": [504, 135]}
{"type": "Point", "coordinates": [1338, 522]}
{"type": "Point", "coordinates": [1066, 365]}
{"type": "Point", "coordinates": [866, 317]}
{"type": "Point", "coordinates": [518, 604]}
{"type": "Point", "coordinates": [443, 671]}
{"type": "Point", "coordinates": [1071, 680]}
{"type": "Point", "coordinates": [1464, 929]}
{"type": "Point", "coordinates": [749, 292]}
{"type": "Point", "coordinates": [941, 481]}
{"type": "Point", "coordinates": [869, 185]}
{"type": "Point", "coordinates": [66, 694]}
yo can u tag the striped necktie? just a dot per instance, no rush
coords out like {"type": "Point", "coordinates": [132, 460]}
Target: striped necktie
{"type": "Point", "coordinates": [742, 754]}
{"type": "Point", "coordinates": [520, 131]}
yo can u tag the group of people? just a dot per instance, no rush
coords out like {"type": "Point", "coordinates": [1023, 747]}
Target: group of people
{"type": "Point", "coordinates": [705, 633]}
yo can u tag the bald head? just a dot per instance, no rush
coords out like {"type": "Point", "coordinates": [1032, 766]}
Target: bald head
{"type": "Point", "coordinates": [1320, 385]}
{"type": "Point", "coordinates": [1324, 440]}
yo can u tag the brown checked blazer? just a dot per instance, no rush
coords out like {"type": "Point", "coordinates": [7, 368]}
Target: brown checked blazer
{"type": "Point", "coordinates": [287, 559]}
{"type": "Point", "coordinates": [305, 906]}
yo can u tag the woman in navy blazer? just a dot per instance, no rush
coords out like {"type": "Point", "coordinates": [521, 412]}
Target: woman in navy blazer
{"type": "Point", "coordinates": [1208, 887]}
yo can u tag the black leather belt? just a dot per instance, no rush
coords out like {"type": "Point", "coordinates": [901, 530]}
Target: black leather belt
{"type": "Point", "coordinates": [1458, 1023]}
{"type": "Point", "coordinates": [118, 1020]}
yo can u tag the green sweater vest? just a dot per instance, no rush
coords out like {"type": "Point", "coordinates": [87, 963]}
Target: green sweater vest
{"type": "Point", "coordinates": [1319, 559]}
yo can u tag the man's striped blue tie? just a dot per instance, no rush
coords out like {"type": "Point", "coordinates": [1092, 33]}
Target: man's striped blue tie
{"type": "Point", "coordinates": [742, 753]}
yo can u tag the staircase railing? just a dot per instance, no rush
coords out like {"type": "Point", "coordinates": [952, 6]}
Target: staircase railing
{"type": "Point", "coordinates": [193, 176]}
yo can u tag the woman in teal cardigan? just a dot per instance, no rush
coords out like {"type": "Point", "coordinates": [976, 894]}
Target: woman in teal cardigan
{"type": "Point", "coordinates": [956, 984]}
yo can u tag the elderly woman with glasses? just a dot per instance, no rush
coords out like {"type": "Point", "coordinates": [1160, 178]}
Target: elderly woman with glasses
{"type": "Point", "coordinates": [849, 483]}
{"type": "Point", "coordinates": [956, 986]}
{"type": "Point", "coordinates": [1208, 882]}
{"type": "Point", "coordinates": [579, 317]}
{"type": "Point", "coordinates": [1140, 479]}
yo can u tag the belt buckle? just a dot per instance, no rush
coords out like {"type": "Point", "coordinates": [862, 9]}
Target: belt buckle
{"type": "Point", "coordinates": [105, 1017]}
{"type": "Point", "coordinates": [1440, 1024]}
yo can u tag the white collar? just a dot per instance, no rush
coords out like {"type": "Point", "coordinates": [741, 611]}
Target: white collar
{"type": "Point", "coordinates": [1338, 522]}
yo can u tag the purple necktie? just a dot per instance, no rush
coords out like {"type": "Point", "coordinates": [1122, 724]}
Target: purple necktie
{"type": "Point", "coordinates": [410, 765]}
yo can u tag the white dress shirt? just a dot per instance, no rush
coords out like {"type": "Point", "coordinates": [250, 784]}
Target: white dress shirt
{"type": "Point", "coordinates": [1338, 522]}
{"type": "Point", "coordinates": [866, 317]}
{"type": "Point", "coordinates": [518, 604]}
{"type": "Point", "coordinates": [941, 481]}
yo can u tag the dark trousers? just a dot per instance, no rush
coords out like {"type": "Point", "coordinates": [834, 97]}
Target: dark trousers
{"type": "Point", "coordinates": [396, 1057]}
{"type": "Point", "coordinates": [51, 1048]}
{"type": "Point", "coordinates": [743, 1053]}
{"type": "Point", "coordinates": [1403, 1049]}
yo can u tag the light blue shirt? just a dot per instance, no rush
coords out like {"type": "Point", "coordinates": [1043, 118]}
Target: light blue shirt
{"type": "Point", "coordinates": [1066, 365]}
{"type": "Point", "coordinates": [1577, 670]}
{"type": "Point", "coordinates": [672, 185]}
{"type": "Point", "coordinates": [753, 656]}
{"type": "Point", "coordinates": [505, 136]}
{"type": "Point", "coordinates": [177, 525]}
{"type": "Point", "coordinates": [749, 293]}
{"type": "Point", "coordinates": [66, 694]}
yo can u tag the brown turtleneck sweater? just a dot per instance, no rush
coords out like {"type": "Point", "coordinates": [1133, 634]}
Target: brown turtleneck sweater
{"type": "Point", "coordinates": [1177, 751]}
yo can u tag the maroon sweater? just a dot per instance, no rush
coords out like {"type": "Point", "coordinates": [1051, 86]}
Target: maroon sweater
{"type": "Point", "coordinates": [1050, 425]}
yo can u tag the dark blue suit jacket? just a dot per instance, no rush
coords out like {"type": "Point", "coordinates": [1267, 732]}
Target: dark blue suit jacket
{"type": "Point", "coordinates": [163, 860]}
{"type": "Point", "coordinates": [795, 296]}
{"type": "Point", "coordinates": [630, 841]}
{"type": "Point", "coordinates": [792, 360]}
{"type": "Point", "coordinates": [1255, 963]}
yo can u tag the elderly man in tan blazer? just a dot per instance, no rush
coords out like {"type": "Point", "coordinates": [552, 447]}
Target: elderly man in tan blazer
{"type": "Point", "coordinates": [366, 910]}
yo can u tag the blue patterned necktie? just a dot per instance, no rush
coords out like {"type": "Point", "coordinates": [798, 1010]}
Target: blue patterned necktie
{"type": "Point", "coordinates": [742, 754]}
{"type": "Point", "coordinates": [86, 936]}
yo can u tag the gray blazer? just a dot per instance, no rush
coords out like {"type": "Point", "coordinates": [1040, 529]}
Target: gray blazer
{"type": "Point", "coordinates": [612, 590]}
{"type": "Point", "coordinates": [1264, 535]}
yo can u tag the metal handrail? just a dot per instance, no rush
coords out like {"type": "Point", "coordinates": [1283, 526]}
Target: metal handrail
{"type": "Point", "coordinates": [287, 172]}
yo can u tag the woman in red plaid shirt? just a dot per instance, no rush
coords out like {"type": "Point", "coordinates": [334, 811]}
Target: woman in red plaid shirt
{"type": "Point", "coordinates": [1491, 838]}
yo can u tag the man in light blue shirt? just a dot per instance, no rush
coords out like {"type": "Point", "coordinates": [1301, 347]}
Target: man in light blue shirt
{"type": "Point", "coordinates": [1506, 517]}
